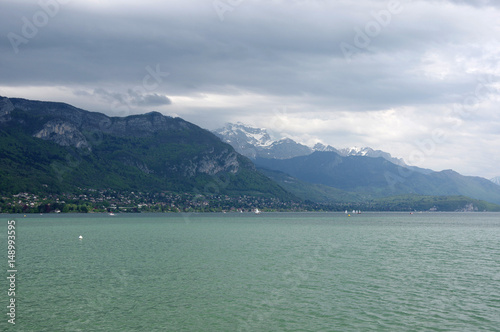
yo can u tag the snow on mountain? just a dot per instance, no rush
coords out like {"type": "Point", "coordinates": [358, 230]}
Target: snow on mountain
{"type": "Point", "coordinates": [241, 133]}
{"type": "Point", "coordinates": [496, 180]}
{"type": "Point", "coordinates": [245, 139]}
{"type": "Point", "coordinates": [285, 148]}
{"type": "Point", "coordinates": [355, 151]}
{"type": "Point", "coordinates": [256, 142]}
{"type": "Point", "coordinates": [322, 147]}
{"type": "Point", "coordinates": [369, 152]}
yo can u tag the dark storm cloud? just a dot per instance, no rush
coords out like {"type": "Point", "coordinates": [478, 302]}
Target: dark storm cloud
{"type": "Point", "coordinates": [265, 48]}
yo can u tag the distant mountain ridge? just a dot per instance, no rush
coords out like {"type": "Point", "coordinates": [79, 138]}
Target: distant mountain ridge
{"type": "Point", "coordinates": [256, 142]}
{"type": "Point", "coordinates": [378, 177]}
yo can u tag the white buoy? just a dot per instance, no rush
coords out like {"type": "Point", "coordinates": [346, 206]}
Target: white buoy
{"type": "Point", "coordinates": [80, 237]}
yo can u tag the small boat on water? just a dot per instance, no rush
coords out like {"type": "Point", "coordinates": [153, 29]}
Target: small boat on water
{"type": "Point", "coordinates": [257, 211]}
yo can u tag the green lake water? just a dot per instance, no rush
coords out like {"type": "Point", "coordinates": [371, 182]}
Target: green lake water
{"type": "Point", "coordinates": [247, 272]}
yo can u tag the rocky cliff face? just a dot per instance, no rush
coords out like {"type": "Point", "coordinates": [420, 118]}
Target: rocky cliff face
{"type": "Point", "coordinates": [63, 133]}
{"type": "Point", "coordinates": [211, 163]}
{"type": "Point", "coordinates": [6, 107]}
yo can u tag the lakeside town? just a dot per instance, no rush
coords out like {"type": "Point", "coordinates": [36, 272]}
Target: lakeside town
{"type": "Point", "coordinates": [92, 200]}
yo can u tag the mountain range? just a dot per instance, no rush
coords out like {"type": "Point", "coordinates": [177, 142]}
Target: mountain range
{"type": "Point", "coordinates": [55, 147]}
{"type": "Point", "coordinates": [354, 171]}
{"type": "Point", "coordinates": [49, 147]}
{"type": "Point", "coordinates": [256, 142]}
{"type": "Point", "coordinates": [377, 177]}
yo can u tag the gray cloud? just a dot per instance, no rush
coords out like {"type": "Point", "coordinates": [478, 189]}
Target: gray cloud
{"type": "Point", "coordinates": [152, 99]}
{"type": "Point", "coordinates": [131, 98]}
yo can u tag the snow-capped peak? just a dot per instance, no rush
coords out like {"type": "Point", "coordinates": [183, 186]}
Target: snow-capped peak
{"type": "Point", "coordinates": [496, 180]}
{"type": "Point", "coordinates": [234, 132]}
{"type": "Point", "coordinates": [324, 148]}
{"type": "Point", "coordinates": [254, 142]}
{"type": "Point", "coordinates": [355, 151]}
{"type": "Point", "coordinates": [369, 152]}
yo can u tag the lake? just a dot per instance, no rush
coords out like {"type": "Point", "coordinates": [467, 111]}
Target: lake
{"type": "Point", "coordinates": [248, 272]}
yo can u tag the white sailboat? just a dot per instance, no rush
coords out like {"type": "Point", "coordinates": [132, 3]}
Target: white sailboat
{"type": "Point", "coordinates": [257, 211]}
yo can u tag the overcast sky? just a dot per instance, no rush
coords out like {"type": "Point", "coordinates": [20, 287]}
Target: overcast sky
{"type": "Point", "coordinates": [418, 79]}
